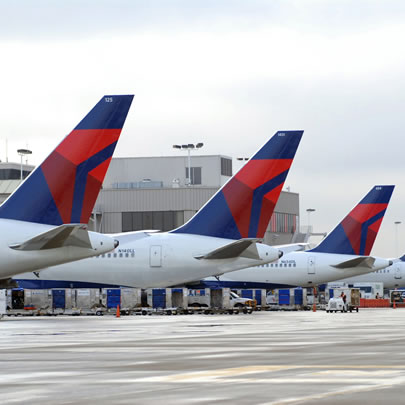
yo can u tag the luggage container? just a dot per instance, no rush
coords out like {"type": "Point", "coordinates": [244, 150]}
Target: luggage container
{"type": "Point", "coordinates": [28, 302]}
{"type": "Point", "coordinates": [113, 298]}
{"type": "Point", "coordinates": [199, 298]}
{"type": "Point", "coordinates": [61, 300]}
{"type": "Point", "coordinates": [397, 297]}
{"type": "Point", "coordinates": [130, 300]}
{"type": "Point", "coordinates": [157, 297]}
{"type": "Point", "coordinates": [284, 297]}
{"type": "Point", "coordinates": [180, 298]}
{"type": "Point", "coordinates": [221, 298]}
{"type": "Point", "coordinates": [298, 297]}
{"type": "Point", "coordinates": [87, 301]}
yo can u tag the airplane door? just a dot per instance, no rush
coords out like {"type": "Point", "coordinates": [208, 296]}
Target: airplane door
{"type": "Point", "coordinates": [155, 258]}
{"type": "Point", "coordinates": [311, 265]}
{"type": "Point", "coordinates": [398, 274]}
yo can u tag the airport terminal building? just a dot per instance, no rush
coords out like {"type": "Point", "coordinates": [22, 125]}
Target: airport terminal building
{"type": "Point", "coordinates": [154, 193]}
{"type": "Point", "coordinates": [158, 193]}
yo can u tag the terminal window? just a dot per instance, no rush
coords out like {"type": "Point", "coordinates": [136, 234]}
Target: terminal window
{"type": "Point", "coordinates": [12, 174]}
{"type": "Point", "coordinates": [195, 175]}
{"type": "Point", "coordinates": [283, 223]}
{"type": "Point", "coordinates": [159, 220]}
{"type": "Point", "coordinates": [226, 167]}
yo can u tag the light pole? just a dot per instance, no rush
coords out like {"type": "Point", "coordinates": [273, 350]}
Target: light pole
{"type": "Point", "coordinates": [22, 153]}
{"type": "Point", "coordinates": [309, 210]}
{"type": "Point", "coordinates": [396, 223]}
{"type": "Point", "coordinates": [189, 147]}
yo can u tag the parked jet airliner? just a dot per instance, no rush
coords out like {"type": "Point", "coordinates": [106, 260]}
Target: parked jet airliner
{"type": "Point", "coordinates": [344, 252]}
{"type": "Point", "coordinates": [223, 236]}
{"type": "Point", "coordinates": [43, 222]}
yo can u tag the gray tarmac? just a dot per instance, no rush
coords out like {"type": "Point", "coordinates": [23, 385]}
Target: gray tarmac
{"type": "Point", "coordinates": [263, 358]}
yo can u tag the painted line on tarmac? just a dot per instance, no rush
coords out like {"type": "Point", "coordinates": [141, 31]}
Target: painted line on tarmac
{"type": "Point", "coordinates": [367, 372]}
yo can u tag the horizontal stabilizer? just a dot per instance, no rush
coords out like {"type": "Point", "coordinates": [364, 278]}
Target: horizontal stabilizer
{"type": "Point", "coordinates": [293, 247]}
{"type": "Point", "coordinates": [362, 261]}
{"type": "Point", "coordinates": [240, 248]}
{"type": "Point", "coordinates": [63, 235]}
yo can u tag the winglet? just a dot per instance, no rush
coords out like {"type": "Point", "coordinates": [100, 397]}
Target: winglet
{"type": "Point", "coordinates": [64, 188]}
{"type": "Point", "coordinates": [242, 208]}
{"type": "Point", "coordinates": [356, 234]}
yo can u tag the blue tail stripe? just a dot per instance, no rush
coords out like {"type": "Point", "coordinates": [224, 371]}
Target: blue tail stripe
{"type": "Point", "coordinates": [278, 148]}
{"type": "Point", "coordinates": [82, 172]}
{"type": "Point", "coordinates": [364, 230]}
{"type": "Point", "coordinates": [258, 196]}
{"type": "Point", "coordinates": [107, 114]}
{"type": "Point", "coordinates": [378, 195]}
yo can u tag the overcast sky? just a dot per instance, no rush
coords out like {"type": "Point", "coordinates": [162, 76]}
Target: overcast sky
{"type": "Point", "coordinates": [226, 73]}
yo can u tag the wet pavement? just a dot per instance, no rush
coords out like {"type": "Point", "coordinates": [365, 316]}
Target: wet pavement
{"type": "Point", "coordinates": [263, 358]}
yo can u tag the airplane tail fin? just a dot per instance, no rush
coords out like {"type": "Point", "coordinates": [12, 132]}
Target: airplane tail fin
{"type": "Point", "coordinates": [64, 188]}
{"type": "Point", "coordinates": [356, 234]}
{"type": "Point", "coordinates": [242, 208]}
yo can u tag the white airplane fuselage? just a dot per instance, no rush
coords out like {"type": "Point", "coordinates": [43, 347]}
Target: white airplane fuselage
{"type": "Point", "coordinates": [392, 276]}
{"type": "Point", "coordinates": [14, 261]}
{"type": "Point", "coordinates": [147, 259]}
{"type": "Point", "coordinates": [296, 269]}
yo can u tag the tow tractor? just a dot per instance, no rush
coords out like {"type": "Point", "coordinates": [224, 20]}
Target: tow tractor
{"type": "Point", "coordinates": [336, 303]}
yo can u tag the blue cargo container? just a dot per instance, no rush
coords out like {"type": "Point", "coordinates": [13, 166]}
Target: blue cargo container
{"type": "Point", "coordinates": [298, 296]}
{"type": "Point", "coordinates": [58, 299]}
{"type": "Point", "coordinates": [284, 297]}
{"type": "Point", "coordinates": [159, 298]}
{"type": "Point", "coordinates": [113, 297]}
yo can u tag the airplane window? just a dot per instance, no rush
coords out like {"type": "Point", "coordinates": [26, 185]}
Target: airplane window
{"type": "Point", "coordinates": [120, 254]}
{"type": "Point", "coordinates": [132, 254]}
{"type": "Point", "coordinates": [109, 255]}
{"type": "Point", "coordinates": [289, 264]}
{"type": "Point", "coordinates": [103, 256]}
{"type": "Point", "coordinates": [276, 265]}
{"type": "Point", "coordinates": [115, 254]}
{"type": "Point", "coordinates": [295, 265]}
